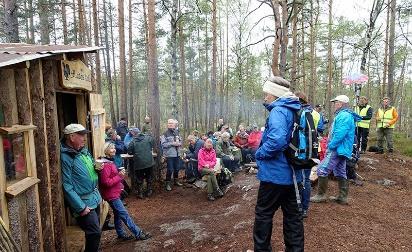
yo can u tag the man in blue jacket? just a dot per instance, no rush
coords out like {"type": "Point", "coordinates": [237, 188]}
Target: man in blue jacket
{"type": "Point", "coordinates": [340, 147]}
{"type": "Point", "coordinates": [276, 176]}
{"type": "Point", "coordinates": [80, 183]}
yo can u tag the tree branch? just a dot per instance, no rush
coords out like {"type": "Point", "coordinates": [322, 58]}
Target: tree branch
{"type": "Point", "coordinates": [257, 42]}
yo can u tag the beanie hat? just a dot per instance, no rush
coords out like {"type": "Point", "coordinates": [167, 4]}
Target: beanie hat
{"type": "Point", "coordinates": [107, 146]}
{"type": "Point", "coordinates": [276, 86]}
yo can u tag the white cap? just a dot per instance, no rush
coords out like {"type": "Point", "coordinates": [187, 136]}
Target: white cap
{"type": "Point", "coordinates": [276, 86]}
{"type": "Point", "coordinates": [75, 128]}
{"type": "Point", "coordinates": [341, 98]}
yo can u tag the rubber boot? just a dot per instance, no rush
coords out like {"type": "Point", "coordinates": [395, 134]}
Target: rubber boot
{"type": "Point", "coordinates": [149, 191]}
{"type": "Point", "coordinates": [177, 182]}
{"type": "Point", "coordinates": [322, 188]}
{"type": "Point", "coordinates": [168, 186]}
{"type": "Point", "coordinates": [140, 191]}
{"type": "Point", "coordinates": [219, 193]}
{"type": "Point", "coordinates": [343, 192]}
{"type": "Point", "coordinates": [210, 197]}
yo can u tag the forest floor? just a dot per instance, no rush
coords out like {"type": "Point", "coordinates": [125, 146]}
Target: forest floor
{"type": "Point", "coordinates": [378, 217]}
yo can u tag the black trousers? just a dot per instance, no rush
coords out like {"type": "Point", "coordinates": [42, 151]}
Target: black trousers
{"type": "Point", "coordinates": [143, 174]}
{"type": "Point", "coordinates": [91, 227]}
{"type": "Point", "coordinates": [362, 135]}
{"type": "Point", "coordinates": [270, 198]}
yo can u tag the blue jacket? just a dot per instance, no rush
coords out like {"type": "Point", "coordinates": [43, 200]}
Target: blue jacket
{"type": "Point", "coordinates": [79, 179]}
{"type": "Point", "coordinates": [194, 150]}
{"type": "Point", "coordinates": [342, 135]}
{"type": "Point", "coordinates": [270, 157]}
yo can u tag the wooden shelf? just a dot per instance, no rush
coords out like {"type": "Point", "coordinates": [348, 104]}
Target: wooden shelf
{"type": "Point", "coordinates": [21, 186]}
{"type": "Point", "coordinates": [16, 129]}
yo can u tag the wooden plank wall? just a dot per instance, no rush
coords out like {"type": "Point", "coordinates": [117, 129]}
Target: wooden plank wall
{"type": "Point", "coordinates": [53, 145]}
{"type": "Point", "coordinates": [97, 112]}
{"type": "Point", "coordinates": [42, 157]}
{"type": "Point", "coordinates": [28, 203]}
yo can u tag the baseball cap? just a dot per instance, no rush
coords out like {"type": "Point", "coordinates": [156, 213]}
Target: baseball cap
{"type": "Point", "coordinates": [341, 98]}
{"type": "Point", "coordinates": [75, 128]}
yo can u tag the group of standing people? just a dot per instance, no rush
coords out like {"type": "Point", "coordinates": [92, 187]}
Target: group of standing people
{"type": "Point", "coordinates": [277, 177]}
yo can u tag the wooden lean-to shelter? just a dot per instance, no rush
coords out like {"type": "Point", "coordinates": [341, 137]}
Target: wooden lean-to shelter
{"type": "Point", "coordinates": [43, 88]}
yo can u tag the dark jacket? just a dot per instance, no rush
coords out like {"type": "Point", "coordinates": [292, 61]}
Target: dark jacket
{"type": "Point", "coordinates": [194, 150]}
{"type": "Point", "coordinates": [141, 149]}
{"type": "Point", "coordinates": [122, 129]}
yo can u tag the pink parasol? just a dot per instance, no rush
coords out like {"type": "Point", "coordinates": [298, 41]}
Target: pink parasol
{"type": "Point", "coordinates": [355, 78]}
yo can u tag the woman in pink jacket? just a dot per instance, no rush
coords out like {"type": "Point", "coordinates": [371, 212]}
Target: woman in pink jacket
{"type": "Point", "coordinates": [110, 186]}
{"type": "Point", "coordinates": [206, 162]}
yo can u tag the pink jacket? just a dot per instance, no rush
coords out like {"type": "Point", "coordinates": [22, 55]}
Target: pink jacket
{"type": "Point", "coordinates": [110, 182]}
{"type": "Point", "coordinates": [206, 157]}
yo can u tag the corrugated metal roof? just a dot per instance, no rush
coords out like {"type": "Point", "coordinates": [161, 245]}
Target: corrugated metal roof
{"type": "Point", "coordinates": [15, 53]}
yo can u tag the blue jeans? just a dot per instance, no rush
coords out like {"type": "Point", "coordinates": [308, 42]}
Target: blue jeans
{"type": "Point", "coordinates": [306, 190]}
{"type": "Point", "coordinates": [172, 167]}
{"type": "Point", "coordinates": [121, 215]}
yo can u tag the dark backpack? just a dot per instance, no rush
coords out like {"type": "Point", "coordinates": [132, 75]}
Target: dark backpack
{"type": "Point", "coordinates": [303, 146]}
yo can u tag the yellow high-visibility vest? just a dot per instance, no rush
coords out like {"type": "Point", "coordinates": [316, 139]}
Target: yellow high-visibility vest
{"type": "Point", "coordinates": [363, 112]}
{"type": "Point", "coordinates": [316, 118]}
{"type": "Point", "coordinates": [385, 117]}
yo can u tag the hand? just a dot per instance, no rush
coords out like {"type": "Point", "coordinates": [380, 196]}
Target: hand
{"type": "Point", "coordinates": [387, 125]}
{"type": "Point", "coordinates": [122, 173]}
{"type": "Point", "coordinates": [86, 211]}
{"type": "Point", "coordinates": [232, 157]}
{"type": "Point", "coordinates": [207, 166]}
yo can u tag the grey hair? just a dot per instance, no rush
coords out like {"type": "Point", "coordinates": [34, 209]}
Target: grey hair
{"type": "Point", "coordinates": [225, 135]}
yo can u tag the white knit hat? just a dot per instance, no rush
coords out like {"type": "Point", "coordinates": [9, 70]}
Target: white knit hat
{"type": "Point", "coordinates": [341, 98]}
{"type": "Point", "coordinates": [276, 86]}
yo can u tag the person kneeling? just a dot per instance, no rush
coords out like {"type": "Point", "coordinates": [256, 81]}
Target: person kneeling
{"type": "Point", "coordinates": [110, 185]}
{"type": "Point", "coordinates": [206, 163]}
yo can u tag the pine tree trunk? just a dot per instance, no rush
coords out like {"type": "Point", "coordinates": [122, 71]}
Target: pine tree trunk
{"type": "Point", "coordinates": [153, 81]}
{"type": "Point", "coordinates": [391, 52]}
{"type": "Point", "coordinates": [31, 23]}
{"type": "Point", "coordinates": [284, 38]}
{"type": "Point", "coordinates": [114, 62]}
{"type": "Point", "coordinates": [276, 43]}
{"type": "Point", "coordinates": [97, 43]}
{"type": "Point", "coordinates": [75, 30]}
{"type": "Point", "coordinates": [11, 24]}
{"type": "Point", "coordinates": [303, 67]}
{"type": "Point", "coordinates": [146, 56]}
{"type": "Point", "coordinates": [206, 122]}
{"type": "Point", "coordinates": [122, 56]}
{"type": "Point", "coordinates": [311, 88]}
{"type": "Point", "coordinates": [294, 48]}
{"type": "Point", "coordinates": [185, 109]}
{"type": "Point", "coordinates": [131, 82]}
{"type": "Point", "coordinates": [330, 67]}
{"type": "Point", "coordinates": [109, 70]}
{"type": "Point", "coordinates": [173, 46]}
{"type": "Point", "coordinates": [212, 110]}
{"type": "Point", "coordinates": [82, 39]}
{"type": "Point", "coordinates": [64, 21]}
{"type": "Point", "coordinates": [385, 57]}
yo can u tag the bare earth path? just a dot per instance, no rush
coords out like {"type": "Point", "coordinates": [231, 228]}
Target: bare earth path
{"type": "Point", "coordinates": [379, 217]}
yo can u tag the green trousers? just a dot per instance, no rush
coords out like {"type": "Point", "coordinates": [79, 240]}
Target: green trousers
{"type": "Point", "coordinates": [212, 185]}
{"type": "Point", "coordinates": [386, 133]}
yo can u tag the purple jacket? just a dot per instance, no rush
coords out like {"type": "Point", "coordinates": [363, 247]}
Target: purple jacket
{"type": "Point", "coordinates": [110, 182]}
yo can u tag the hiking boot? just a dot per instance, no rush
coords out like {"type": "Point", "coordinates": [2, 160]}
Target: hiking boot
{"type": "Point", "coordinates": [343, 192]}
{"type": "Point", "coordinates": [305, 213]}
{"type": "Point", "coordinates": [168, 186]}
{"type": "Point", "coordinates": [356, 182]}
{"type": "Point", "coordinates": [210, 197]}
{"type": "Point", "coordinates": [379, 151]}
{"type": "Point", "coordinates": [125, 238]}
{"type": "Point", "coordinates": [390, 150]}
{"type": "Point", "coordinates": [177, 183]}
{"type": "Point", "coordinates": [149, 193]}
{"type": "Point", "coordinates": [140, 191]}
{"type": "Point", "coordinates": [143, 236]}
{"type": "Point", "coordinates": [322, 187]}
{"type": "Point", "coordinates": [219, 193]}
